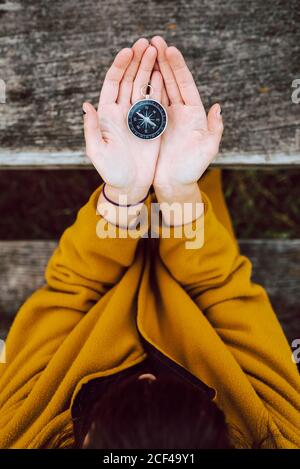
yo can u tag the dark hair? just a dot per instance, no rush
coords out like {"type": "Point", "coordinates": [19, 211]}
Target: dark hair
{"type": "Point", "coordinates": [168, 413]}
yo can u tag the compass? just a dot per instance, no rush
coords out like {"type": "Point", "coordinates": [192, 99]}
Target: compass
{"type": "Point", "coordinates": [147, 118]}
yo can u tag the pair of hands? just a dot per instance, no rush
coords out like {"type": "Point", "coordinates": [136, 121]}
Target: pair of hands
{"type": "Point", "coordinates": [175, 161]}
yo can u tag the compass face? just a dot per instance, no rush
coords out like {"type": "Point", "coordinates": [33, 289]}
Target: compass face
{"type": "Point", "coordinates": [147, 119]}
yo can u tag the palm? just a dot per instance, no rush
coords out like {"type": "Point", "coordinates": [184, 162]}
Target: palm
{"type": "Point", "coordinates": [124, 159]}
{"type": "Point", "coordinates": [187, 137]}
{"type": "Point", "coordinates": [191, 139]}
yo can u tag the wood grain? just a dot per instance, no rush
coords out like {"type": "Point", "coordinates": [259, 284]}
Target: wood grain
{"type": "Point", "coordinates": [276, 265]}
{"type": "Point", "coordinates": [53, 56]}
{"type": "Point", "coordinates": [77, 160]}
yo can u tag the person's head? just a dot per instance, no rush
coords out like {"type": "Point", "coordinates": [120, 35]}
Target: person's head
{"type": "Point", "coordinates": [144, 412]}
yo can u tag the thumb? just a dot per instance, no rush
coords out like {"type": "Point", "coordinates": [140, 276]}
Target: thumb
{"type": "Point", "coordinates": [215, 122]}
{"type": "Point", "coordinates": [92, 132]}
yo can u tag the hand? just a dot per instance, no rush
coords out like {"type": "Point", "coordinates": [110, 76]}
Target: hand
{"type": "Point", "coordinates": [191, 140]}
{"type": "Point", "coordinates": [125, 163]}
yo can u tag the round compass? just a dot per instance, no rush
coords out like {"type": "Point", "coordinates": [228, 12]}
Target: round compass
{"type": "Point", "coordinates": [147, 118]}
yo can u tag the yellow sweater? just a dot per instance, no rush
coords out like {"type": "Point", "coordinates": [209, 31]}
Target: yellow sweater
{"type": "Point", "coordinates": [197, 307]}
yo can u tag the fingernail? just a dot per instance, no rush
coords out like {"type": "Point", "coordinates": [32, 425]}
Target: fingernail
{"type": "Point", "coordinates": [84, 108]}
{"type": "Point", "coordinates": [219, 110]}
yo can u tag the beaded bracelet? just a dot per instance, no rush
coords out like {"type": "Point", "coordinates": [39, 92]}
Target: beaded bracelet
{"type": "Point", "coordinates": [122, 205]}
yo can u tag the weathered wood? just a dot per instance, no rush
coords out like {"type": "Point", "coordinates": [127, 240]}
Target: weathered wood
{"type": "Point", "coordinates": [53, 56]}
{"type": "Point", "coordinates": [276, 265]}
{"type": "Point", "coordinates": [22, 266]}
{"type": "Point", "coordinates": [78, 160]}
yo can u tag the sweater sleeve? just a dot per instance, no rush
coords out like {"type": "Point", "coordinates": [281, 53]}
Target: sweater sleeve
{"type": "Point", "coordinates": [83, 267]}
{"type": "Point", "coordinates": [218, 278]}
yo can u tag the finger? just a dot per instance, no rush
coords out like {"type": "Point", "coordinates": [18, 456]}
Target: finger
{"type": "Point", "coordinates": [184, 78]}
{"type": "Point", "coordinates": [156, 66]}
{"type": "Point", "coordinates": [125, 89]}
{"type": "Point", "coordinates": [144, 73]}
{"type": "Point", "coordinates": [215, 124]}
{"type": "Point", "coordinates": [166, 71]}
{"type": "Point", "coordinates": [92, 132]}
{"type": "Point", "coordinates": [164, 97]}
{"type": "Point", "coordinates": [156, 82]}
{"type": "Point", "coordinates": [110, 88]}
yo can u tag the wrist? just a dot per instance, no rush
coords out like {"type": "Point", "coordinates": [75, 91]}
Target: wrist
{"type": "Point", "coordinates": [126, 195]}
{"type": "Point", "coordinates": [178, 193]}
{"type": "Point", "coordinates": [113, 206]}
{"type": "Point", "coordinates": [180, 204]}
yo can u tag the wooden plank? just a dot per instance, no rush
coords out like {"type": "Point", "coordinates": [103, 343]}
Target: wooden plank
{"type": "Point", "coordinates": [53, 56]}
{"type": "Point", "coordinates": [22, 266]}
{"type": "Point", "coordinates": [276, 265]}
{"type": "Point", "coordinates": [78, 160]}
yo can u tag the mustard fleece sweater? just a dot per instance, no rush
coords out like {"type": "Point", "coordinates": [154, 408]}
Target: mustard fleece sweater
{"type": "Point", "coordinates": [197, 307]}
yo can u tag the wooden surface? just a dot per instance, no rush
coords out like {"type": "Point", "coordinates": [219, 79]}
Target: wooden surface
{"type": "Point", "coordinates": [53, 56]}
{"type": "Point", "coordinates": [10, 159]}
{"type": "Point", "coordinates": [276, 265]}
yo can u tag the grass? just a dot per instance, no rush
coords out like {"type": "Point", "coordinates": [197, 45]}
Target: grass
{"type": "Point", "coordinates": [264, 204]}
{"type": "Point", "coordinates": [41, 204]}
